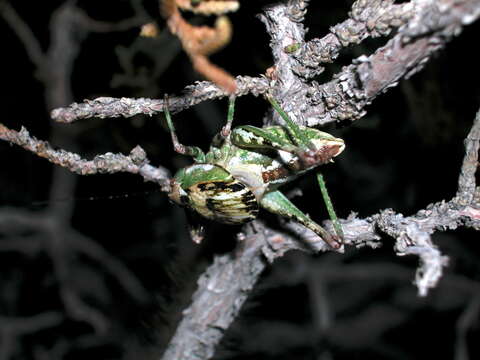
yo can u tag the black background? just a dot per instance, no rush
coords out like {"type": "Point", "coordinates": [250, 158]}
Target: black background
{"type": "Point", "coordinates": [404, 154]}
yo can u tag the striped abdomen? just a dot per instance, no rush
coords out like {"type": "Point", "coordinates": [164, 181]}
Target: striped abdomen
{"type": "Point", "coordinates": [228, 202]}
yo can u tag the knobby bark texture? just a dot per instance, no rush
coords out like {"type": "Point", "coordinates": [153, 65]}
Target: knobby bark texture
{"type": "Point", "coordinates": [422, 28]}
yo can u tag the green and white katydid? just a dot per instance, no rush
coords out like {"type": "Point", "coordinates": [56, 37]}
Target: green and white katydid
{"type": "Point", "coordinates": [246, 165]}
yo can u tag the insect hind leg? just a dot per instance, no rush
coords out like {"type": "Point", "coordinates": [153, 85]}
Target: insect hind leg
{"type": "Point", "coordinates": [279, 204]}
{"type": "Point", "coordinates": [252, 137]}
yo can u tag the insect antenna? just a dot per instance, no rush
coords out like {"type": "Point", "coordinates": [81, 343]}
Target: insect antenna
{"type": "Point", "coordinates": [123, 196]}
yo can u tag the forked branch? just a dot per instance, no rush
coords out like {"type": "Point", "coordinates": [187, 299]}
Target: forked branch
{"type": "Point", "coordinates": [224, 287]}
{"type": "Point", "coordinates": [424, 27]}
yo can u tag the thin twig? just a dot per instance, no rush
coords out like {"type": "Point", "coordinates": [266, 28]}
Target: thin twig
{"type": "Point", "coordinates": [343, 98]}
{"type": "Point", "coordinates": [370, 18]}
{"type": "Point", "coordinates": [136, 162]}
{"type": "Point", "coordinates": [353, 89]}
{"type": "Point", "coordinates": [107, 107]}
{"type": "Point", "coordinates": [14, 328]}
{"type": "Point", "coordinates": [225, 285]}
{"type": "Point", "coordinates": [24, 33]}
{"type": "Point", "coordinates": [468, 317]}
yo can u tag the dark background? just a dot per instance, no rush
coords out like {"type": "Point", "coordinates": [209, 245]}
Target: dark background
{"type": "Point", "coordinates": [405, 154]}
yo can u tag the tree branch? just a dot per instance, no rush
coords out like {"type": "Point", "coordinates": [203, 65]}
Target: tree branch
{"type": "Point", "coordinates": [466, 180]}
{"type": "Point", "coordinates": [347, 95]}
{"type": "Point", "coordinates": [221, 290]}
{"type": "Point", "coordinates": [14, 328]}
{"type": "Point", "coordinates": [368, 18]}
{"type": "Point", "coordinates": [24, 33]}
{"type": "Point", "coordinates": [107, 107]}
{"type": "Point", "coordinates": [426, 26]}
{"type": "Point", "coordinates": [136, 162]}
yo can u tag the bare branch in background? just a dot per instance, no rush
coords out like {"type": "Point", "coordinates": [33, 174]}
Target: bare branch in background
{"type": "Point", "coordinates": [24, 33]}
{"type": "Point", "coordinates": [13, 328]}
{"type": "Point", "coordinates": [50, 231]}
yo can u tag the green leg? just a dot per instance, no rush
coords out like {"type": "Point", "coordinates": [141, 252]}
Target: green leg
{"type": "Point", "coordinates": [252, 137]}
{"type": "Point", "coordinates": [295, 141]}
{"type": "Point", "coordinates": [293, 128]}
{"type": "Point", "coordinates": [192, 151]}
{"type": "Point", "coordinates": [304, 143]}
{"type": "Point", "coordinates": [228, 126]}
{"type": "Point", "coordinates": [329, 205]}
{"type": "Point", "coordinates": [277, 203]}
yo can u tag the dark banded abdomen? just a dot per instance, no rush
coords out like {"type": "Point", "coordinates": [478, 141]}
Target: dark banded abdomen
{"type": "Point", "coordinates": [228, 202]}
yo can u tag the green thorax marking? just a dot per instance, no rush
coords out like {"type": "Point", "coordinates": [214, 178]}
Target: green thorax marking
{"type": "Point", "coordinates": [200, 173]}
{"type": "Point", "coordinates": [215, 194]}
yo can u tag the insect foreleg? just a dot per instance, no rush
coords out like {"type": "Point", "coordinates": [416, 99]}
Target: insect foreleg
{"type": "Point", "coordinates": [192, 151]}
{"type": "Point", "coordinates": [278, 203]}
